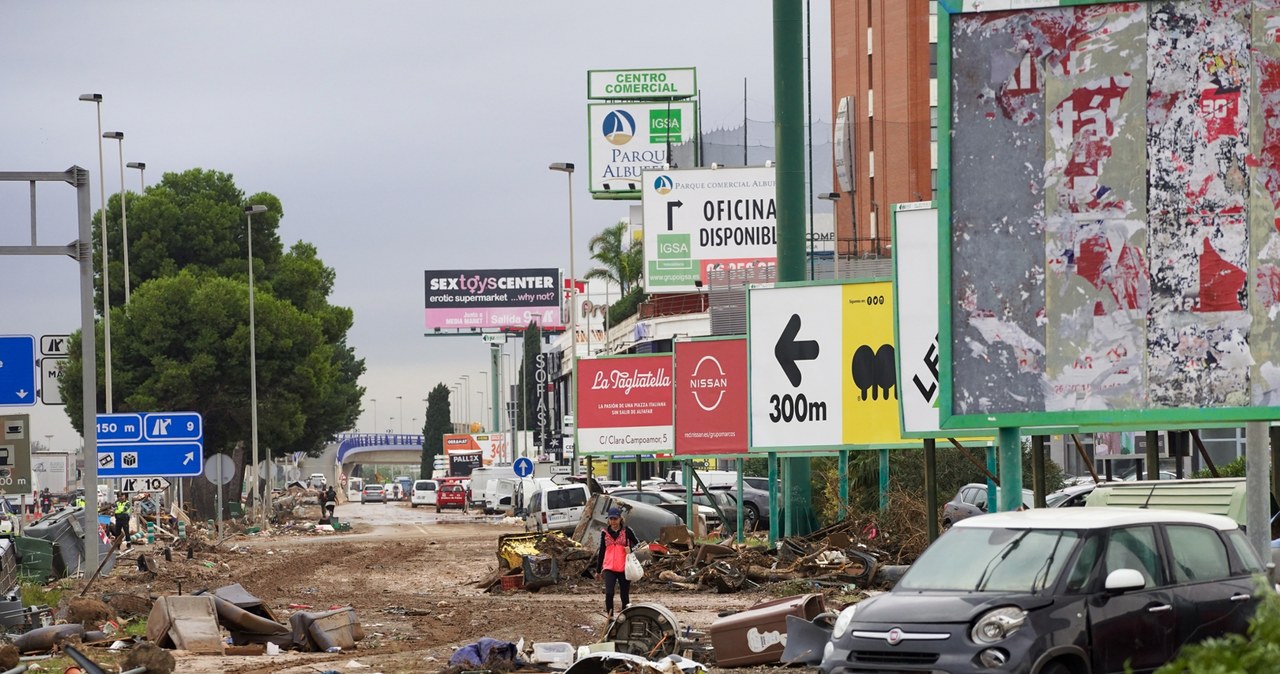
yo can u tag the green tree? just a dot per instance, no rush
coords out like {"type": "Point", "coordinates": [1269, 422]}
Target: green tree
{"type": "Point", "coordinates": [528, 384]}
{"type": "Point", "coordinates": [435, 427]}
{"type": "Point", "coordinates": [620, 264]}
{"type": "Point", "coordinates": [183, 342]}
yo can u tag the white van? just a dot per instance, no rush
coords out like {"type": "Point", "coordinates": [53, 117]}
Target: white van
{"type": "Point", "coordinates": [711, 478]}
{"type": "Point", "coordinates": [355, 487]}
{"type": "Point", "coordinates": [424, 493]}
{"type": "Point", "coordinates": [482, 477]}
{"type": "Point", "coordinates": [556, 507]}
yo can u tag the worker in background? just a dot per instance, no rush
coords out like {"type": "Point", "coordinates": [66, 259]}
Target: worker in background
{"type": "Point", "coordinates": [123, 511]}
{"type": "Point", "coordinates": [80, 500]}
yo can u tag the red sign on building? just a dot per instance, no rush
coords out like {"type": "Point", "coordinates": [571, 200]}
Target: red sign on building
{"type": "Point", "coordinates": [711, 397]}
{"type": "Point", "coordinates": [624, 405]}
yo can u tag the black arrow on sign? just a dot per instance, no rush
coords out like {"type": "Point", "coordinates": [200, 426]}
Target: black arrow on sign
{"type": "Point", "coordinates": [788, 350]}
{"type": "Point", "coordinates": [671, 207]}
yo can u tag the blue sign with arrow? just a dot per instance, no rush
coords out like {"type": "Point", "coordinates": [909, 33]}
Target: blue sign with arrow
{"type": "Point", "coordinates": [523, 467]}
{"type": "Point", "coordinates": [17, 370]}
{"type": "Point", "coordinates": [166, 444]}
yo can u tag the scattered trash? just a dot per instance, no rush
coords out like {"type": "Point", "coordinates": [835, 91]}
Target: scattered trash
{"type": "Point", "coordinates": [485, 653]}
{"type": "Point", "coordinates": [758, 635]}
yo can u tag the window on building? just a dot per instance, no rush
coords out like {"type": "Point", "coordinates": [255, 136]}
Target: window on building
{"type": "Point", "coordinates": [933, 181]}
{"type": "Point", "coordinates": [933, 7]}
{"type": "Point", "coordinates": [933, 60]}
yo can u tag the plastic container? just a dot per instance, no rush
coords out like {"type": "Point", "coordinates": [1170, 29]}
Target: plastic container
{"type": "Point", "coordinates": [553, 653]}
{"type": "Point", "coordinates": [513, 582]}
{"type": "Point", "coordinates": [758, 635]}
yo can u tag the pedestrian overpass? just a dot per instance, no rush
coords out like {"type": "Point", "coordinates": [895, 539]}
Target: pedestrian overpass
{"type": "Point", "coordinates": [379, 448]}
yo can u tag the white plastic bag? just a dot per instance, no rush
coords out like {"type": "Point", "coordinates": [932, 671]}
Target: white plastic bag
{"type": "Point", "coordinates": [634, 570]}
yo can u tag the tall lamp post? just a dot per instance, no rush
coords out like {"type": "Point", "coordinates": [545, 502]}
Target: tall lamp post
{"type": "Point", "coordinates": [118, 136]}
{"type": "Point", "coordinates": [484, 385]}
{"type": "Point", "coordinates": [375, 414]}
{"type": "Point", "coordinates": [834, 198]}
{"type": "Point", "coordinates": [466, 398]}
{"type": "Point", "coordinates": [249, 212]}
{"type": "Point", "coordinates": [96, 99]}
{"type": "Point", "coordinates": [455, 392]}
{"type": "Point", "coordinates": [483, 408]}
{"type": "Point", "coordinates": [567, 169]}
{"type": "Point", "coordinates": [401, 400]}
{"type": "Point", "coordinates": [142, 174]}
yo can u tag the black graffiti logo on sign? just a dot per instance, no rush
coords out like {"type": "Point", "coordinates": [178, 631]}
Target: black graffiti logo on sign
{"type": "Point", "coordinates": [875, 372]}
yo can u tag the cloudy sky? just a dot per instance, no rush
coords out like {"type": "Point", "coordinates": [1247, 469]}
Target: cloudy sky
{"type": "Point", "coordinates": [400, 135]}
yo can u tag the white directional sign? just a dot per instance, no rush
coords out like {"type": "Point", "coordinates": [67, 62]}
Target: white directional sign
{"type": "Point", "coordinates": [55, 345]}
{"type": "Point", "coordinates": [794, 341]}
{"type": "Point", "coordinates": [700, 220]}
{"type": "Point", "coordinates": [50, 376]}
{"type": "Point", "coordinates": [136, 484]}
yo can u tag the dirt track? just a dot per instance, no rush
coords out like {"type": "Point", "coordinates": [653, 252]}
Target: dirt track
{"type": "Point", "coordinates": [413, 585]}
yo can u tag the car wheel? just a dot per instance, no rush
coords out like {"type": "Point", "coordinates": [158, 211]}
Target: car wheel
{"type": "Point", "coordinates": [1056, 667]}
{"type": "Point", "coordinates": [946, 524]}
{"type": "Point", "coordinates": [750, 517]}
{"type": "Point", "coordinates": [413, 505]}
{"type": "Point", "coordinates": [437, 508]}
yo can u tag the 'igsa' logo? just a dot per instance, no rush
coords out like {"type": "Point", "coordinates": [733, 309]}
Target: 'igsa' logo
{"type": "Point", "coordinates": [662, 184]}
{"type": "Point", "coordinates": [619, 127]}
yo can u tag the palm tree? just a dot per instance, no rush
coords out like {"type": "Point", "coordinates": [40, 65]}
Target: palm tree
{"type": "Point", "coordinates": [619, 264]}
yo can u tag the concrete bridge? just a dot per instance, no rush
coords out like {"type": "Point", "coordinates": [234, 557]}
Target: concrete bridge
{"type": "Point", "coordinates": [364, 448]}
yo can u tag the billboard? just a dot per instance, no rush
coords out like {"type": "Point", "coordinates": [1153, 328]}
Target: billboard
{"type": "Point", "coordinates": [662, 83]}
{"type": "Point", "coordinates": [707, 219]}
{"type": "Point", "coordinates": [1109, 173]}
{"type": "Point", "coordinates": [624, 139]}
{"type": "Point", "coordinates": [624, 405]}
{"type": "Point", "coordinates": [823, 372]}
{"type": "Point", "coordinates": [711, 397]}
{"type": "Point", "coordinates": [492, 298]}
{"type": "Point", "coordinates": [490, 447]}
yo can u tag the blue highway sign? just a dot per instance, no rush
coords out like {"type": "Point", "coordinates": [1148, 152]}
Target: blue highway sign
{"type": "Point", "coordinates": [523, 467]}
{"type": "Point", "coordinates": [17, 370]}
{"type": "Point", "coordinates": [167, 444]}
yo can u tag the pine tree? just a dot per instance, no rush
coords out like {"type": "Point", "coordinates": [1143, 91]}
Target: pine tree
{"type": "Point", "coordinates": [434, 428]}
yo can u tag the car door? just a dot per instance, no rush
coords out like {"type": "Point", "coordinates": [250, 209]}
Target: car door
{"type": "Point", "coordinates": [1213, 598]}
{"type": "Point", "coordinates": [1139, 628]}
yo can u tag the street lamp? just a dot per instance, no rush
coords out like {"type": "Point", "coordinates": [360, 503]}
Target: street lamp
{"type": "Point", "coordinates": [96, 99]}
{"type": "Point", "coordinates": [834, 198]}
{"type": "Point", "coordinates": [401, 399]}
{"type": "Point", "coordinates": [142, 174]}
{"type": "Point", "coordinates": [483, 408]}
{"type": "Point", "coordinates": [455, 411]}
{"type": "Point", "coordinates": [249, 212]}
{"type": "Point", "coordinates": [567, 169]}
{"type": "Point", "coordinates": [466, 396]}
{"type": "Point", "coordinates": [124, 217]}
{"type": "Point", "coordinates": [375, 414]}
{"type": "Point", "coordinates": [485, 385]}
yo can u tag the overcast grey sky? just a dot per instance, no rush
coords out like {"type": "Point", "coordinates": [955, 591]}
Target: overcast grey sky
{"type": "Point", "coordinates": [400, 136]}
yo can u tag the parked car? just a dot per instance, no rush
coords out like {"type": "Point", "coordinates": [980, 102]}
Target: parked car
{"type": "Point", "coordinates": [761, 483]}
{"type": "Point", "coordinates": [451, 496]}
{"type": "Point", "coordinates": [972, 500]}
{"type": "Point", "coordinates": [1073, 496]}
{"type": "Point", "coordinates": [718, 497]}
{"type": "Point", "coordinates": [317, 481]}
{"type": "Point", "coordinates": [556, 507]}
{"type": "Point", "coordinates": [373, 493]}
{"type": "Point", "coordinates": [392, 491]}
{"type": "Point", "coordinates": [1055, 592]}
{"type": "Point", "coordinates": [669, 502]}
{"type": "Point", "coordinates": [756, 501]}
{"type": "Point", "coordinates": [424, 493]}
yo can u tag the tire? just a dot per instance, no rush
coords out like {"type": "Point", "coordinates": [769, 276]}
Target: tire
{"type": "Point", "coordinates": [750, 517]}
{"type": "Point", "coordinates": [437, 507]}
{"type": "Point", "coordinates": [946, 524]}
{"type": "Point", "coordinates": [413, 505]}
{"type": "Point", "coordinates": [1056, 667]}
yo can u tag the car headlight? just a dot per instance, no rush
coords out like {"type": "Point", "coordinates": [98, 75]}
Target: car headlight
{"type": "Point", "coordinates": [843, 622]}
{"type": "Point", "coordinates": [998, 624]}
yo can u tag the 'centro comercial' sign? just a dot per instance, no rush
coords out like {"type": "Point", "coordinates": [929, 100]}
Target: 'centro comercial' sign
{"type": "Point", "coordinates": [663, 83]}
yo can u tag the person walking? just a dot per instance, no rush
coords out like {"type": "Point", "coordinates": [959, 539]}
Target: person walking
{"type": "Point", "coordinates": [123, 512]}
{"type": "Point", "coordinates": [616, 541]}
{"type": "Point", "coordinates": [330, 501]}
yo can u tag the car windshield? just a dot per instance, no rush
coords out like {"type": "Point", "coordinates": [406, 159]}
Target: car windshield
{"type": "Point", "coordinates": [1056, 497]}
{"type": "Point", "coordinates": [976, 559]}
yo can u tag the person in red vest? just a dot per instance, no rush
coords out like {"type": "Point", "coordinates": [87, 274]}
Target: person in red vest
{"type": "Point", "coordinates": [616, 540]}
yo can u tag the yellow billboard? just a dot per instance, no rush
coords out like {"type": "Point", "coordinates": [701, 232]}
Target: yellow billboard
{"type": "Point", "coordinates": [869, 378]}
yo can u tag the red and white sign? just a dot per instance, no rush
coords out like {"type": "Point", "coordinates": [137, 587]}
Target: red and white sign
{"type": "Point", "coordinates": [711, 397]}
{"type": "Point", "coordinates": [624, 405]}
{"type": "Point", "coordinates": [492, 446]}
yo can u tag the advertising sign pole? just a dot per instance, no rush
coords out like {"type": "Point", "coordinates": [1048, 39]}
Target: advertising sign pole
{"type": "Point", "coordinates": [567, 169]}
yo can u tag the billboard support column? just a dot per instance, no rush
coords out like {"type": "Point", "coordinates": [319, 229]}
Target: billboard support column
{"type": "Point", "coordinates": [1037, 470]}
{"type": "Point", "coordinates": [495, 370]}
{"type": "Point", "coordinates": [772, 458]}
{"type": "Point", "coordinates": [1153, 455]}
{"type": "Point", "coordinates": [1257, 496]}
{"type": "Point", "coordinates": [931, 488]}
{"type": "Point", "coordinates": [1010, 440]}
{"type": "Point", "coordinates": [843, 473]}
{"type": "Point", "coordinates": [884, 480]}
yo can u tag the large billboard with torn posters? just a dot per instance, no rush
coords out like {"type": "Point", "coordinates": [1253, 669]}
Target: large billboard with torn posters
{"type": "Point", "coordinates": [1110, 191]}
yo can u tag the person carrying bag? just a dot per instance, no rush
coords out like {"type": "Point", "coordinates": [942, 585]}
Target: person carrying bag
{"type": "Point", "coordinates": [616, 543]}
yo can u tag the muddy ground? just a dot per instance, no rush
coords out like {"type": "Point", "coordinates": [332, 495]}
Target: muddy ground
{"type": "Point", "coordinates": [412, 578]}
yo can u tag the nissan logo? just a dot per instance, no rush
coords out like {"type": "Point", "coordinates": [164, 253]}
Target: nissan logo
{"type": "Point", "coordinates": [894, 637]}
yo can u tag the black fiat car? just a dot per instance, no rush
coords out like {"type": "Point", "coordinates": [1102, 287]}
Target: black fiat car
{"type": "Point", "coordinates": [1077, 591]}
